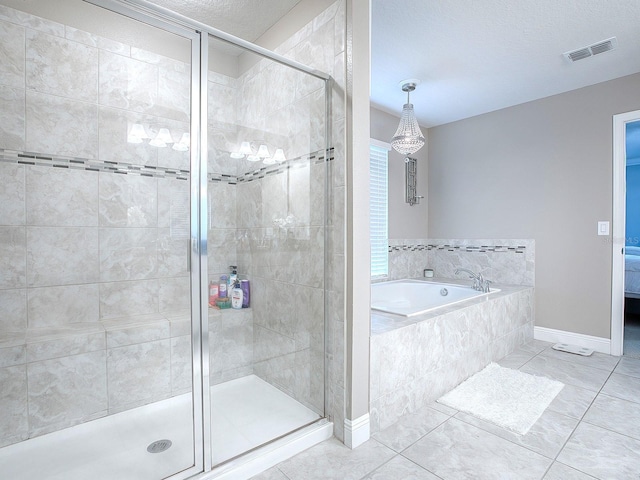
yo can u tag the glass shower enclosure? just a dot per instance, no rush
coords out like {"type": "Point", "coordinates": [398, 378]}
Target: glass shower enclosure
{"type": "Point", "coordinates": [141, 156]}
{"type": "Point", "coordinates": [265, 179]}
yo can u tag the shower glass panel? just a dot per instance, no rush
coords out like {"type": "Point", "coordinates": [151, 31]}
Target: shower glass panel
{"type": "Point", "coordinates": [266, 197]}
{"type": "Point", "coordinates": [95, 317]}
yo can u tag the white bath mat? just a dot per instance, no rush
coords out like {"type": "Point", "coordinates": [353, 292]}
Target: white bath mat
{"type": "Point", "coordinates": [508, 398]}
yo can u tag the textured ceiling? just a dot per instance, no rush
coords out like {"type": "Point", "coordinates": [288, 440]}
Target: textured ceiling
{"type": "Point", "coordinates": [472, 56]}
{"type": "Point", "coordinates": [477, 56]}
{"type": "Point", "coordinates": [247, 19]}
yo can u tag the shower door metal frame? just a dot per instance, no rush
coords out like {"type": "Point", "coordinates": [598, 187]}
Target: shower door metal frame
{"type": "Point", "coordinates": [177, 19]}
{"type": "Point", "coordinates": [157, 16]}
{"type": "Point", "coordinates": [197, 258]}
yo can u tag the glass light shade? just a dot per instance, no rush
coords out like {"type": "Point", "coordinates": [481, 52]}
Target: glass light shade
{"type": "Point", "coordinates": [136, 134]}
{"type": "Point", "coordinates": [408, 138]}
{"type": "Point", "coordinates": [245, 149]}
{"type": "Point", "coordinates": [269, 161]}
{"type": "Point", "coordinates": [253, 158]}
{"type": "Point", "coordinates": [138, 131]}
{"type": "Point", "coordinates": [161, 140]}
{"type": "Point", "coordinates": [279, 156]}
{"type": "Point", "coordinates": [263, 151]}
{"type": "Point", "coordinates": [183, 144]}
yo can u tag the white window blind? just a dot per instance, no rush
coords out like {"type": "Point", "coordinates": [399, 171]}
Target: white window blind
{"type": "Point", "coordinates": [378, 209]}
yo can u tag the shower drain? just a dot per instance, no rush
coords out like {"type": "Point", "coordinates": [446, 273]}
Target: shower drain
{"type": "Point", "coordinates": [159, 446]}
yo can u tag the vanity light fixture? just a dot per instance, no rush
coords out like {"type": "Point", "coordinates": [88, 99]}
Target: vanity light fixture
{"type": "Point", "coordinates": [244, 151]}
{"type": "Point", "coordinates": [408, 138]}
{"type": "Point", "coordinates": [279, 156]}
{"type": "Point", "coordinates": [183, 144]}
{"type": "Point", "coordinates": [161, 139]}
{"type": "Point", "coordinates": [255, 152]}
{"type": "Point", "coordinates": [263, 151]}
{"type": "Point", "coordinates": [245, 148]}
{"type": "Point", "coordinates": [137, 134]}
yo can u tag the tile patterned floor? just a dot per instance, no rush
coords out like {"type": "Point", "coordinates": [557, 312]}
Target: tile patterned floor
{"type": "Point", "coordinates": [590, 431]}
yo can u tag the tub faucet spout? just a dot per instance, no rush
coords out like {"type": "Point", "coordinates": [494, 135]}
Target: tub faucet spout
{"type": "Point", "coordinates": [479, 283]}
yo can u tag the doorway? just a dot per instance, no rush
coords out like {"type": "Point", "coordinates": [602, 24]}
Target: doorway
{"type": "Point", "coordinates": [625, 318]}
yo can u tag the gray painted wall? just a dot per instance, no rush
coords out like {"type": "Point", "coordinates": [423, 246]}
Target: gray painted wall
{"type": "Point", "coordinates": [405, 221]}
{"type": "Point", "coordinates": [540, 170]}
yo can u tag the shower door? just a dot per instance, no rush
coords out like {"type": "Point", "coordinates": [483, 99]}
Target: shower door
{"type": "Point", "coordinates": [96, 283]}
{"type": "Point", "coordinates": [266, 216]}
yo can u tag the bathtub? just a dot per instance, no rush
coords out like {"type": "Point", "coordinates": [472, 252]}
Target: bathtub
{"type": "Point", "coordinates": [417, 359]}
{"type": "Point", "coordinates": [415, 297]}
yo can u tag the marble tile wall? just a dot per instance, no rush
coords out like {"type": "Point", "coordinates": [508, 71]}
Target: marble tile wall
{"type": "Point", "coordinates": [269, 224]}
{"type": "Point", "coordinates": [416, 364]}
{"type": "Point", "coordinates": [294, 284]}
{"type": "Point", "coordinates": [129, 314]}
{"type": "Point", "coordinates": [272, 226]}
{"type": "Point", "coordinates": [94, 286]}
{"type": "Point", "coordinates": [68, 375]}
{"type": "Point", "coordinates": [510, 262]}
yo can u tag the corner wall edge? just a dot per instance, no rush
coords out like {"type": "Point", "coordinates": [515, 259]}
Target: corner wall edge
{"type": "Point", "coordinates": [357, 431]}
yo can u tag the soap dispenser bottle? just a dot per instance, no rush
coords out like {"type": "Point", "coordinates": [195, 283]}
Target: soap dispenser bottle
{"type": "Point", "coordinates": [237, 296]}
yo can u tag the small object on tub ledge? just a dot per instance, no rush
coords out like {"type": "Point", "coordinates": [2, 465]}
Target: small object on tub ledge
{"type": "Point", "coordinates": [563, 347]}
{"type": "Point", "coordinates": [428, 272]}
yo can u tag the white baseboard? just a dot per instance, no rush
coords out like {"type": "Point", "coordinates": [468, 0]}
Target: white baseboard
{"type": "Point", "coordinates": [598, 344]}
{"type": "Point", "coordinates": [357, 431]}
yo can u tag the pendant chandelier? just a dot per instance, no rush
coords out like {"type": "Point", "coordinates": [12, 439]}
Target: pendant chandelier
{"type": "Point", "coordinates": [408, 138]}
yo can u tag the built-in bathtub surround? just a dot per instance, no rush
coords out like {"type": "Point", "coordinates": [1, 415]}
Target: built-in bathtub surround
{"type": "Point", "coordinates": [415, 360]}
{"type": "Point", "coordinates": [412, 297]}
{"type": "Point", "coordinates": [510, 262]}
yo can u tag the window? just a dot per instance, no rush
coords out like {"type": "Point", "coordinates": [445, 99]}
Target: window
{"type": "Point", "coordinates": [378, 208]}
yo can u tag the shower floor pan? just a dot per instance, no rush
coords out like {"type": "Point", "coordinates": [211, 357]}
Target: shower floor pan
{"type": "Point", "coordinates": [246, 413]}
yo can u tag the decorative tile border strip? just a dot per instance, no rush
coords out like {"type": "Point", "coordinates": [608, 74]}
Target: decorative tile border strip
{"type": "Point", "coordinates": [123, 168]}
{"type": "Point", "coordinates": [315, 158]}
{"type": "Point", "coordinates": [77, 163]}
{"type": "Point", "coordinates": [458, 248]}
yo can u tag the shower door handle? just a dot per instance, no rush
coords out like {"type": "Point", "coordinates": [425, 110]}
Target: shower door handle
{"type": "Point", "coordinates": [189, 255]}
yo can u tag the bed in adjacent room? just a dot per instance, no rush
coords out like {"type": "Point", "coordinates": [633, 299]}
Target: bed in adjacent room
{"type": "Point", "coordinates": [632, 272]}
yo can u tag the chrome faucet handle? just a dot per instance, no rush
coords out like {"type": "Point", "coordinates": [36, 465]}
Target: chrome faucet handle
{"type": "Point", "coordinates": [486, 286]}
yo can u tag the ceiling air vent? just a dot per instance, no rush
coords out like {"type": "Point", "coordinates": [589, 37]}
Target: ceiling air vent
{"type": "Point", "coordinates": [578, 54]}
{"type": "Point", "coordinates": [594, 49]}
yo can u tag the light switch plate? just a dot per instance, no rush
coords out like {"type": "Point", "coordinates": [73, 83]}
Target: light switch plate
{"type": "Point", "coordinates": [603, 228]}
